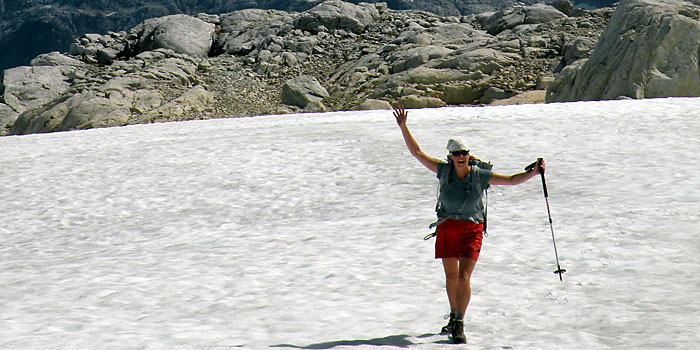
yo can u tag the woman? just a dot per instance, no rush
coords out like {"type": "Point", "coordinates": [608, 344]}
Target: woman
{"type": "Point", "coordinates": [459, 230]}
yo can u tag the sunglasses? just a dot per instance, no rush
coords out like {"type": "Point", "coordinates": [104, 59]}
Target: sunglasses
{"type": "Point", "coordinates": [460, 153]}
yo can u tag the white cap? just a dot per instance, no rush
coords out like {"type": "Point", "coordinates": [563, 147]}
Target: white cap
{"type": "Point", "coordinates": [456, 145]}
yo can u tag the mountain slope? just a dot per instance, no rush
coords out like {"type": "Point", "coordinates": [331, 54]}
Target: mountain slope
{"type": "Point", "coordinates": [29, 28]}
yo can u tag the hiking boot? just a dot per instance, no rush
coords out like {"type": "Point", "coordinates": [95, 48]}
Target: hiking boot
{"type": "Point", "coordinates": [448, 329]}
{"type": "Point", "coordinates": [457, 333]}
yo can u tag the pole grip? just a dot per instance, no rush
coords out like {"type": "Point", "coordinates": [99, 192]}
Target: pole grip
{"type": "Point", "coordinates": [544, 183]}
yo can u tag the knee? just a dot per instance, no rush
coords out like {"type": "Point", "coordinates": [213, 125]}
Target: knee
{"type": "Point", "coordinates": [452, 278]}
{"type": "Point", "coordinates": [464, 278]}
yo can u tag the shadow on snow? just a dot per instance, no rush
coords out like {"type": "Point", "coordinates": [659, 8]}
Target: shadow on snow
{"type": "Point", "coordinates": [399, 341]}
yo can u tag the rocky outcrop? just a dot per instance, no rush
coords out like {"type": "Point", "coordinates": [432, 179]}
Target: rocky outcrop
{"type": "Point", "coordinates": [52, 25]}
{"type": "Point", "coordinates": [157, 71]}
{"type": "Point", "coordinates": [180, 33]}
{"type": "Point", "coordinates": [649, 49]}
{"type": "Point", "coordinates": [157, 85]}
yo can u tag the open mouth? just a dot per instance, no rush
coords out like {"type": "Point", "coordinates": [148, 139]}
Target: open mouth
{"type": "Point", "coordinates": [462, 161]}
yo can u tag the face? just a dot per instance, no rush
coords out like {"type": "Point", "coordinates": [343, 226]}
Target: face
{"type": "Point", "coordinates": [460, 158]}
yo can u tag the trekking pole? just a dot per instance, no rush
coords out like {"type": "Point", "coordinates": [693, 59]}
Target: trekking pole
{"type": "Point", "coordinates": [559, 270]}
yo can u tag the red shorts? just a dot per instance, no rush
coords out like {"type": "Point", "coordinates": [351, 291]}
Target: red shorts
{"type": "Point", "coordinates": [458, 239]}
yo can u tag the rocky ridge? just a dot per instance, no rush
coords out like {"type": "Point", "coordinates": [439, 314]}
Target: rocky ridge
{"type": "Point", "coordinates": [238, 64]}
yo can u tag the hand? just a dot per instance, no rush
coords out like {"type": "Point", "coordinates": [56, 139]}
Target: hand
{"type": "Point", "coordinates": [401, 115]}
{"type": "Point", "coordinates": [540, 167]}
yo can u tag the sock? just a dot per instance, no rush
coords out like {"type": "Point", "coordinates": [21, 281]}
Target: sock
{"type": "Point", "coordinates": [459, 316]}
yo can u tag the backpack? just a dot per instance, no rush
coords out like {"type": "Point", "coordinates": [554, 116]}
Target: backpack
{"type": "Point", "coordinates": [476, 164]}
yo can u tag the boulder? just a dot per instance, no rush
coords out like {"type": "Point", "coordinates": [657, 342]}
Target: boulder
{"type": "Point", "coordinates": [301, 44]}
{"type": "Point", "coordinates": [493, 93]}
{"type": "Point", "coordinates": [462, 94]}
{"type": "Point", "coordinates": [107, 55]}
{"type": "Point", "coordinates": [649, 49]}
{"type": "Point", "coordinates": [179, 70]}
{"type": "Point", "coordinates": [90, 110]}
{"type": "Point", "coordinates": [27, 87]}
{"type": "Point", "coordinates": [240, 44]}
{"type": "Point", "coordinates": [456, 34]}
{"type": "Point", "coordinates": [192, 101]}
{"type": "Point", "coordinates": [302, 90]}
{"type": "Point", "coordinates": [242, 31]}
{"type": "Point", "coordinates": [414, 57]}
{"type": "Point", "coordinates": [531, 96]}
{"type": "Point", "coordinates": [57, 59]}
{"type": "Point", "coordinates": [414, 101]}
{"type": "Point", "coordinates": [239, 21]}
{"type": "Point", "coordinates": [85, 110]}
{"type": "Point", "coordinates": [512, 17]}
{"type": "Point", "coordinates": [146, 100]}
{"type": "Point", "coordinates": [426, 75]}
{"type": "Point", "coordinates": [73, 69]}
{"type": "Point", "coordinates": [44, 119]}
{"type": "Point", "coordinates": [336, 14]}
{"type": "Point", "coordinates": [445, 35]}
{"type": "Point", "coordinates": [372, 104]}
{"type": "Point", "coordinates": [181, 33]}
{"type": "Point", "coordinates": [485, 60]}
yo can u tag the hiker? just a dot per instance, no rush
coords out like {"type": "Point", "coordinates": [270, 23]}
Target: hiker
{"type": "Point", "coordinates": [460, 217]}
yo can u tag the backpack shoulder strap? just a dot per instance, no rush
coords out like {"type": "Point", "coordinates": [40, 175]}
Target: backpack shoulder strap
{"type": "Point", "coordinates": [476, 178]}
{"type": "Point", "coordinates": [444, 177]}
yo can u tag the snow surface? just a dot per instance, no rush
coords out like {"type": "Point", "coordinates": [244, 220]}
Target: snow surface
{"type": "Point", "coordinates": [305, 231]}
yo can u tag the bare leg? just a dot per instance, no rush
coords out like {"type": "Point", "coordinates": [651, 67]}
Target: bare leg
{"type": "Point", "coordinates": [458, 274]}
{"type": "Point", "coordinates": [451, 266]}
{"type": "Point", "coordinates": [464, 289]}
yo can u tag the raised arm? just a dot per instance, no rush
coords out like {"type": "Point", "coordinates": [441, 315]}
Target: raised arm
{"type": "Point", "coordinates": [428, 161]}
{"type": "Point", "coordinates": [516, 179]}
